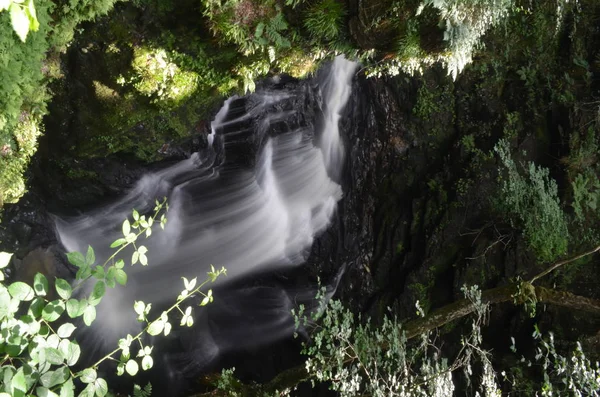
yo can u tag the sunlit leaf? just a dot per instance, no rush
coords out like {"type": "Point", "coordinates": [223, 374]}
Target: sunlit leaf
{"type": "Point", "coordinates": [156, 327]}
{"type": "Point", "coordinates": [4, 256]}
{"type": "Point", "coordinates": [126, 227]}
{"type": "Point", "coordinates": [75, 308]}
{"type": "Point", "coordinates": [147, 363]}
{"type": "Point", "coordinates": [19, 21]}
{"type": "Point", "coordinates": [53, 310]}
{"type": "Point", "coordinates": [121, 277]}
{"type": "Point", "coordinates": [63, 288]}
{"type": "Point", "coordinates": [88, 375]}
{"type": "Point", "coordinates": [97, 293]}
{"type": "Point", "coordinates": [54, 356]}
{"type": "Point", "coordinates": [89, 315]}
{"type": "Point", "coordinates": [40, 284]}
{"type": "Point", "coordinates": [44, 392]}
{"type": "Point", "coordinates": [67, 388]}
{"type": "Point", "coordinates": [34, 25]}
{"type": "Point", "coordinates": [65, 330]}
{"type": "Point", "coordinates": [76, 259]}
{"type": "Point", "coordinates": [101, 387]}
{"type": "Point", "coordinates": [118, 243]}
{"type": "Point", "coordinates": [90, 256]}
{"type": "Point", "coordinates": [21, 291]}
{"type": "Point", "coordinates": [132, 367]}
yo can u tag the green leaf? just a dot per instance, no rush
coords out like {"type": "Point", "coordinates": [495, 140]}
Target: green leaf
{"type": "Point", "coordinates": [36, 307]}
{"type": "Point", "coordinates": [101, 387]}
{"type": "Point", "coordinates": [4, 256]}
{"type": "Point", "coordinates": [34, 25]}
{"type": "Point", "coordinates": [89, 391]}
{"type": "Point", "coordinates": [147, 363]}
{"type": "Point", "coordinates": [19, 21]}
{"type": "Point", "coordinates": [156, 327]}
{"type": "Point", "coordinates": [120, 264]}
{"type": "Point", "coordinates": [89, 315]}
{"type": "Point", "coordinates": [98, 272]}
{"type": "Point", "coordinates": [97, 293]}
{"type": "Point", "coordinates": [65, 330]}
{"type": "Point", "coordinates": [110, 277]}
{"type": "Point", "coordinates": [139, 307]}
{"type": "Point", "coordinates": [76, 259]}
{"type": "Point", "coordinates": [143, 260]}
{"type": "Point", "coordinates": [126, 227]}
{"type": "Point", "coordinates": [21, 291]}
{"type": "Point", "coordinates": [18, 386]}
{"type": "Point", "coordinates": [73, 353]}
{"type": "Point", "coordinates": [44, 392]}
{"type": "Point", "coordinates": [75, 308]}
{"type": "Point", "coordinates": [63, 288]}
{"type": "Point", "coordinates": [132, 367]}
{"type": "Point", "coordinates": [54, 356]}
{"type": "Point", "coordinates": [259, 29]}
{"type": "Point", "coordinates": [5, 303]}
{"type": "Point", "coordinates": [53, 310]}
{"type": "Point", "coordinates": [56, 377]}
{"type": "Point", "coordinates": [90, 257]}
{"type": "Point", "coordinates": [131, 237]}
{"type": "Point", "coordinates": [168, 327]}
{"type": "Point", "coordinates": [136, 215]}
{"type": "Point", "coordinates": [67, 388]}
{"type": "Point", "coordinates": [40, 284]}
{"type": "Point", "coordinates": [142, 249]}
{"type": "Point", "coordinates": [84, 272]}
{"type": "Point", "coordinates": [134, 257]}
{"type": "Point", "coordinates": [88, 375]}
{"type": "Point", "coordinates": [118, 243]}
{"type": "Point", "coordinates": [121, 277]}
{"type": "Point", "coordinates": [5, 4]}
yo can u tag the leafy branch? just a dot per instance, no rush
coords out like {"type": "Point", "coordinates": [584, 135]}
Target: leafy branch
{"type": "Point", "coordinates": [36, 358]}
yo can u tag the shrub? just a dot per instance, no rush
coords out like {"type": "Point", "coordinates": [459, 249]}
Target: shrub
{"type": "Point", "coordinates": [530, 199]}
{"type": "Point", "coordinates": [324, 20]}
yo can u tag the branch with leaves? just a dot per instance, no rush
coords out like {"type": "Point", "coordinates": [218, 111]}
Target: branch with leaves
{"type": "Point", "coordinates": [23, 17]}
{"type": "Point", "coordinates": [37, 356]}
{"type": "Point", "coordinates": [353, 342]}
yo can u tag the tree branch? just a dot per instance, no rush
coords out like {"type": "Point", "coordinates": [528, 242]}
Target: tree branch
{"type": "Point", "coordinates": [558, 264]}
{"type": "Point", "coordinates": [517, 293]}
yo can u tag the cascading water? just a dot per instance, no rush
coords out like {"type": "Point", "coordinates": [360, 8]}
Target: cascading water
{"type": "Point", "coordinates": [253, 201]}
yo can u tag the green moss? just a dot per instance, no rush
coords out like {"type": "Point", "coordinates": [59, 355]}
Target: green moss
{"type": "Point", "coordinates": [421, 293]}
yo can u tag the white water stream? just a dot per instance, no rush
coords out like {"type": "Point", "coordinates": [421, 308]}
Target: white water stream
{"type": "Point", "coordinates": [247, 217]}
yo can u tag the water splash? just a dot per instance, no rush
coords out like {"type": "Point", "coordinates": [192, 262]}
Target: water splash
{"type": "Point", "coordinates": [258, 209]}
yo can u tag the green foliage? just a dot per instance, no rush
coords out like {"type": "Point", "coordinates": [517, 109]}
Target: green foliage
{"type": "Point", "coordinates": [23, 17]}
{"type": "Point", "coordinates": [145, 392]}
{"type": "Point", "coordinates": [251, 25]}
{"type": "Point", "coordinates": [356, 357]}
{"type": "Point", "coordinates": [25, 68]}
{"type": "Point", "coordinates": [531, 202]}
{"type": "Point", "coordinates": [324, 20]}
{"type": "Point", "coordinates": [158, 77]}
{"type": "Point", "coordinates": [40, 357]}
{"type": "Point", "coordinates": [360, 358]}
{"type": "Point", "coordinates": [573, 374]}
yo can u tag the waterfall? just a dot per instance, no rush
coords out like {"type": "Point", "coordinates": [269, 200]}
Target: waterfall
{"type": "Point", "coordinates": [252, 201]}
